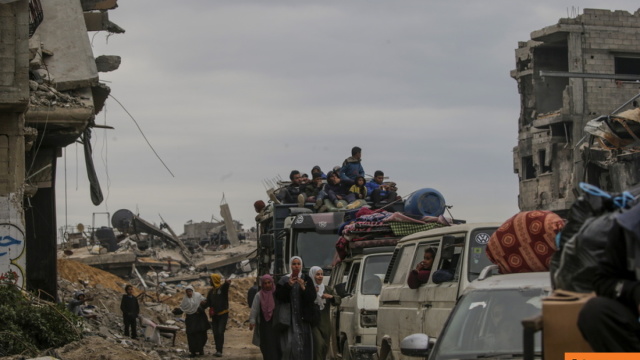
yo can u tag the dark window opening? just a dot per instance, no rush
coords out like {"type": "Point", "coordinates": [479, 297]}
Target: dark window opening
{"type": "Point", "coordinates": [549, 90]}
{"type": "Point", "coordinates": [627, 65]}
{"type": "Point", "coordinates": [528, 170]}
{"type": "Point", "coordinates": [562, 130]}
{"type": "Point", "coordinates": [542, 156]}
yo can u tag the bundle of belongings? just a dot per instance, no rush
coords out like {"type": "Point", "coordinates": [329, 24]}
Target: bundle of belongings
{"type": "Point", "coordinates": [382, 228]}
{"type": "Point", "coordinates": [525, 242]}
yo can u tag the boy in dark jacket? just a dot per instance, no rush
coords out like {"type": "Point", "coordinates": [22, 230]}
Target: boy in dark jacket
{"type": "Point", "coordinates": [130, 310]}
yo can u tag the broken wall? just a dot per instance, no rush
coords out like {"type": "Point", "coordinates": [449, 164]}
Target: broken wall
{"type": "Point", "coordinates": [586, 57]}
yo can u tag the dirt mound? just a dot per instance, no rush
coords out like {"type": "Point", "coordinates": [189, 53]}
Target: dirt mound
{"type": "Point", "coordinates": [74, 271]}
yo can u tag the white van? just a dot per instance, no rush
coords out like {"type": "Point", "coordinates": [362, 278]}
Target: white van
{"type": "Point", "coordinates": [358, 281]}
{"type": "Point", "coordinates": [403, 311]}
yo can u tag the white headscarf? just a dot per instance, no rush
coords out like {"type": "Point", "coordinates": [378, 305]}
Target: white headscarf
{"type": "Point", "coordinates": [291, 261]}
{"type": "Point", "coordinates": [190, 304]}
{"type": "Point", "coordinates": [319, 300]}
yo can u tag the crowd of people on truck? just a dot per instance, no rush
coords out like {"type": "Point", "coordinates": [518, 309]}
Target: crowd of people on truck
{"type": "Point", "coordinates": [290, 319]}
{"type": "Point", "coordinates": [344, 187]}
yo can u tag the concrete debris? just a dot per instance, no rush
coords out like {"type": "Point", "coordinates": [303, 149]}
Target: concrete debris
{"type": "Point", "coordinates": [155, 341]}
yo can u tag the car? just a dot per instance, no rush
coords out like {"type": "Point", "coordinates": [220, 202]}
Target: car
{"type": "Point", "coordinates": [487, 320]}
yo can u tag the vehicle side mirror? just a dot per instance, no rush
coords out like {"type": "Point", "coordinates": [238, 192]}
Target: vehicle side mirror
{"type": "Point", "coordinates": [340, 289]}
{"type": "Point", "coordinates": [448, 242]}
{"type": "Point", "coordinates": [266, 240]}
{"type": "Point", "coordinates": [415, 345]}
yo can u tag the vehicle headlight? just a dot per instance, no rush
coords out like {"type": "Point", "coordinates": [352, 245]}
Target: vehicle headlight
{"type": "Point", "coordinates": [368, 318]}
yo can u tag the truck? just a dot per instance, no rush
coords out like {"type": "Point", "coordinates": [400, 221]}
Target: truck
{"type": "Point", "coordinates": [286, 230]}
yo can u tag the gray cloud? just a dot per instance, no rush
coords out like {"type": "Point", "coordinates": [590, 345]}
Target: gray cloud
{"type": "Point", "coordinates": [230, 93]}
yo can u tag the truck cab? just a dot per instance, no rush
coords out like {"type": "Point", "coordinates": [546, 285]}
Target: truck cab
{"type": "Point", "coordinates": [404, 311]}
{"type": "Point", "coordinates": [286, 230]}
{"type": "Point", "coordinates": [358, 280]}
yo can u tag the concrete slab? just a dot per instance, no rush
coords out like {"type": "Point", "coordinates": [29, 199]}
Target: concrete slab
{"type": "Point", "coordinates": [64, 32]}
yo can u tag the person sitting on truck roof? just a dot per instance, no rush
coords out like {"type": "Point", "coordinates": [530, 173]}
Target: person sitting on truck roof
{"type": "Point", "coordinates": [420, 275]}
{"type": "Point", "coordinates": [609, 322]}
{"type": "Point", "coordinates": [289, 194]}
{"type": "Point", "coordinates": [304, 179]}
{"type": "Point", "coordinates": [313, 192]}
{"type": "Point", "coordinates": [317, 171]}
{"type": "Point", "coordinates": [352, 167]}
{"type": "Point", "coordinates": [381, 193]}
{"type": "Point", "coordinates": [338, 195]}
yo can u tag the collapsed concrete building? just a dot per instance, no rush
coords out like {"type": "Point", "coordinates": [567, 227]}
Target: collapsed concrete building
{"type": "Point", "coordinates": [569, 74]}
{"type": "Point", "coordinates": [49, 96]}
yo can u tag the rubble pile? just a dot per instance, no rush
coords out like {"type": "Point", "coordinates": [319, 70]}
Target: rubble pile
{"type": "Point", "coordinates": [45, 95]}
{"type": "Point", "coordinates": [103, 336]}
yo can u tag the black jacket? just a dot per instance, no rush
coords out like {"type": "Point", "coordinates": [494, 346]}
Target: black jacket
{"type": "Point", "coordinates": [616, 277]}
{"type": "Point", "coordinates": [129, 305]}
{"type": "Point", "coordinates": [308, 296]}
{"type": "Point", "coordinates": [219, 299]}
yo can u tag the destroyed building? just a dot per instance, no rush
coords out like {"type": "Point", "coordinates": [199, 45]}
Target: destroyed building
{"type": "Point", "coordinates": [569, 74]}
{"type": "Point", "coordinates": [49, 96]}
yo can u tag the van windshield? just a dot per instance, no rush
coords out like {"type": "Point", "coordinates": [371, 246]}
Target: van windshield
{"type": "Point", "coordinates": [316, 249]}
{"type": "Point", "coordinates": [375, 266]}
{"type": "Point", "coordinates": [487, 323]}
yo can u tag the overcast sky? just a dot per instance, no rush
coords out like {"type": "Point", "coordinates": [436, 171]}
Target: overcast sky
{"type": "Point", "coordinates": [230, 93]}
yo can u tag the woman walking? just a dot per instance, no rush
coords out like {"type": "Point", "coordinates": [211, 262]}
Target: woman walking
{"type": "Point", "coordinates": [193, 305]}
{"type": "Point", "coordinates": [261, 319]}
{"type": "Point", "coordinates": [218, 303]}
{"type": "Point", "coordinates": [298, 292]}
{"type": "Point", "coordinates": [325, 296]}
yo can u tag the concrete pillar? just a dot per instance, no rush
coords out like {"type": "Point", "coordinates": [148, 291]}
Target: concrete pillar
{"type": "Point", "coordinates": [12, 227]}
{"type": "Point", "coordinates": [14, 96]}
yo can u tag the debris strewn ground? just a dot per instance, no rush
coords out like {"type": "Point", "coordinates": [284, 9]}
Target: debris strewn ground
{"type": "Point", "coordinates": [103, 338]}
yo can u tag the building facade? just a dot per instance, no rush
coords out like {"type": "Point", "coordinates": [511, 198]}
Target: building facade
{"type": "Point", "coordinates": [569, 74]}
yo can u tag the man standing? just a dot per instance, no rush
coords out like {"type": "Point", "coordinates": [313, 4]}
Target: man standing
{"type": "Point", "coordinates": [352, 167]}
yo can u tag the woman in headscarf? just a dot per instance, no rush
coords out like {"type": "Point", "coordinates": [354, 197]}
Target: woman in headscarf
{"type": "Point", "coordinates": [325, 296]}
{"type": "Point", "coordinates": [297, 291]}
{"type": "Point", "coordinates": [218, 303]}
{"type": "Point", "coordinates": [261, 319]}
{"type": "Point", "coordinates": [193, 305]}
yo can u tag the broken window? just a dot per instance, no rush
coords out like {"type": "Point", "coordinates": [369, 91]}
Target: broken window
{"type": "Point", "coordinates": [543, 164]}
{"type": "Point", "coordinates": [528, 169]}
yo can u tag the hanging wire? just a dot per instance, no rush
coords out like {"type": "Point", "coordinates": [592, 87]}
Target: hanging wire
{"type": "Point", "coordinates": [145, 138]}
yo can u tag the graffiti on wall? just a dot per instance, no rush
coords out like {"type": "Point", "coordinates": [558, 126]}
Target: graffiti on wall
{"type": "Point", "coordinates": [12, 247]}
